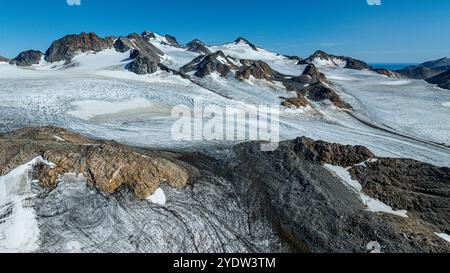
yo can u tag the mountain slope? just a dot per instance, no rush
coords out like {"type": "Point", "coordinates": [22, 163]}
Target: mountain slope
{"type": "Point", "coordinates": [442, 80]}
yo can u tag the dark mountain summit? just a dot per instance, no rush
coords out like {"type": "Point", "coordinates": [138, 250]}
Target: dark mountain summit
{"type": "Point", "coordinates": [65, 48]}
{"type": "Point", "coordinates": [27, 58]}
{"type": "Point", "coordinates": [198, 46]}
{"type": "Point", "coordinates": [241, 40]}
{"type": "Point", "coordinates": [336, 60]}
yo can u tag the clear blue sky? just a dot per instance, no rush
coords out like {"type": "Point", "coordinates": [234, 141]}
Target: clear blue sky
{"type": "Point", "coordinates": [405, 31]}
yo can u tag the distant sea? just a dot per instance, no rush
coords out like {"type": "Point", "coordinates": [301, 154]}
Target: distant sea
{"type": "Point", "coordinates": [391, 66]}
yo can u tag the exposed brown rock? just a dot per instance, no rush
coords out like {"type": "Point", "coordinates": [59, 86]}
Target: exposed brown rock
{"type": "Point", "coordinates": [335, 154]}
{"type": "Point", "coordinates": [258, 69]}
{"type": "Point", "coordinates": [320, 92]}
{"type": "Point", "coordinates": [107, 166]}
{"type": "Point", "coordinates": [65, 48]}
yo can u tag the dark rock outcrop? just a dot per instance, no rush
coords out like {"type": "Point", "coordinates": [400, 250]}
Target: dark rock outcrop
{"type": "Point", "coordinates": [27, 58]}
{"type": "Point", "coordinates": [322, 152]}
{"type": "Point", "coordinates": [148, 35]}
{"type": "Point", "coordinates": [65, 48]}
{"type": "Point", "coordinates": [198, 46]}
{"type": "Point", "coordinates": [205, 65]}
{"type": "Point", "coordinates": [311, 75]}
{"type": "Point", "coordinates": [241, 40]}
{"type": "Point", "coordinates": [172, 40]}
{"type": "Point", "coordinates": [257, 69]}
{"type": "Point", "coordinates": [312, 84]}
{"type": "Point", "coordinates": [321, 92]}
{"type": "Point", "coordinates": [442, 80]}
{"type": "Point", "coordinates": [142, 65]}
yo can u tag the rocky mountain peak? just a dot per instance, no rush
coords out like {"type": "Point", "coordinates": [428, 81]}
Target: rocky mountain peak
{"type": "Point", "coordinates": [65, 48]}
{"type": "Point", "coordinates": [242, 40]}
{"type": "Point", "coordinates": [148, 35]}
{"type": "Point", "coordinates": [198, 46]}
{"type": "Point", "coordinates": [27, 58]}
{"type": "Point", "coordinates": [321, 56]}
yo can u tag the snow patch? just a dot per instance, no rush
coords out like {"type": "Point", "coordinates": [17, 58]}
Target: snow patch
{"type": "Point", "coordinates": [446, 104]}
{"type": "Point", "coordinates": [158, 198]}
{"type": "Point", "coordinates": [59, 138]}
{"type": "Point", "coordinates": [444, 236]}
{"type": "Point", "coordinates": [19, 230]}
{"type": "Point", "coordinates": [395, 82]}
{"type": "Point", "coordinates": [373, 205]}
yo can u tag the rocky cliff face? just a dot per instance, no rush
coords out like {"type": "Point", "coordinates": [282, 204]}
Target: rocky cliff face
{"type": "Point", "coordinates": [27, 58]}
{"type": "Point", "coordinates": [442, 80]}
{"type": "Point", "coordinates": [65, 48]}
